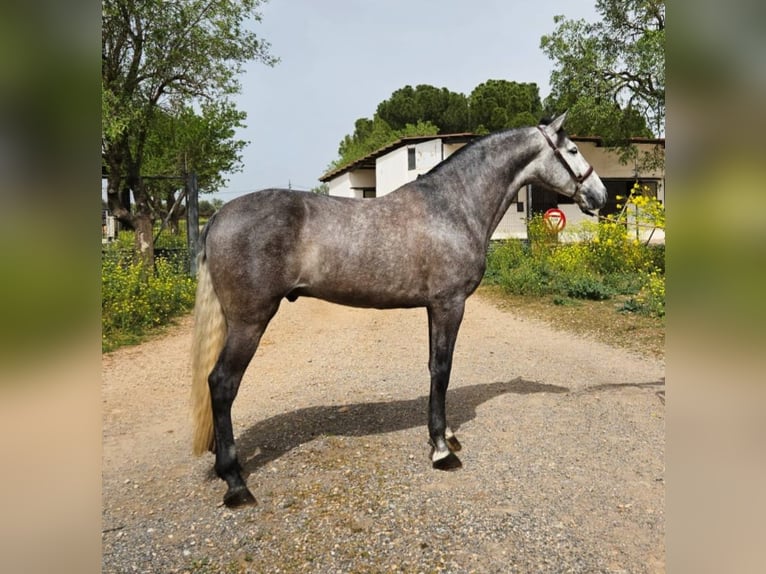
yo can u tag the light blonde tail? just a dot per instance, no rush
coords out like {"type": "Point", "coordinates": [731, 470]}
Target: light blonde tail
{"type": "Point", "coordinates": [209, 338]}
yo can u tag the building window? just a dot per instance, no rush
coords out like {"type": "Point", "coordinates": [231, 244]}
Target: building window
{"type": "Point", "coordinates": [411, 158]}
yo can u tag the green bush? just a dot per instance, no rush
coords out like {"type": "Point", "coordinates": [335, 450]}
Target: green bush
{"type": "Point", "coordinates": [604, 263]}
{"type": "Point", "coordinates": [584, 286]}
{"type": "Point", "coordinates": [527, 279]}
{"type": "Point", "coordinates": [503, 256]}
{"type": "Point", "coordinates": [135, 300]}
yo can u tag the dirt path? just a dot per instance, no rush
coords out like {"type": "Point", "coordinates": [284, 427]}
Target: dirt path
{"type": "Point", "coordinates": [563, 452]}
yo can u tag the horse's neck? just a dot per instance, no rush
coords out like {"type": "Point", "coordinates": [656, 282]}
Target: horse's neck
{"type": "Point", "coordinates": [488, 178]}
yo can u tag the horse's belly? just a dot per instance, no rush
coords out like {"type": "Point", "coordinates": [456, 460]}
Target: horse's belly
{"type": "Point", "coordinates": [360, 292]}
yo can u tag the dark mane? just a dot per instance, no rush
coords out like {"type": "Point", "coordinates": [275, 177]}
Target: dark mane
{"type": "Point", "coordinates": [458, 155]}
{"type": "Point", "coordinates": [468, 149]}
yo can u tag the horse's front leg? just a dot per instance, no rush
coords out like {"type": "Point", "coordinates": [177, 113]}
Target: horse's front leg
{"type": "Point", "coordinates": [443, 324]}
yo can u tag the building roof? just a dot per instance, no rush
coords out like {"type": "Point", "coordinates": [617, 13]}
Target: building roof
{"type": "Point", "coordinates": [599, 141]}
{"type": "Point", "coordinates": [368, 161]}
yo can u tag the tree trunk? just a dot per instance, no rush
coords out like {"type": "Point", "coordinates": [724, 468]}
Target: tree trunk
{"type": "Point", "coordinates": [142, 220]}
{"type": "Point", "coordinates": [144, 239]}
{"type": "Point", "coordinates": [125, 177]}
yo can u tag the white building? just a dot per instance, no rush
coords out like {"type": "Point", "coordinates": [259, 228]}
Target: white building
{"type": "Point", "coordinates": [392, 166]}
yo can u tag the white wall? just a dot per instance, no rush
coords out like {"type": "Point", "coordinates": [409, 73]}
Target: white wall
{"type": "Point", "coordinates": [391, 171]}
{"type": "Point", "coordinates": [340, 186]}
{"type": "Point", "coordinates": [427, 155]}
{"type": "Point", "coordinates": [344, 184]}
{"type": "Point", "coordinates": [362, 178]}
{"type": "Point", "coordinates": [514, 222]}
{"type": "Point", "coordinates": [393, 168]}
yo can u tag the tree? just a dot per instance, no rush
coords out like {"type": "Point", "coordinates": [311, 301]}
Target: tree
{"type": "Point", "coordinates": [438, 106]}
{"type": "Point", "coordinates": [610, 75]}
{"type": "Point", "coordinates": [162, 57]}
{"type": "Point", "coordinates": [501, 104]}
{"type": "Point", "coordinates": [321, 189]}
{"type": "Point", "coordinates": [208, 208]}
{"type": "Point", "coordinates": [187, 142]}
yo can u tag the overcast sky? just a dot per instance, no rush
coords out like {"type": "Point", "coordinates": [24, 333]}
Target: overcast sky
{"type": "Point", "coordinates": [340, 58]}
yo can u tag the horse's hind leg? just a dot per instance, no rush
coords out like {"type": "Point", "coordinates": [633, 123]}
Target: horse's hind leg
{"type": "Point", "coordinates": [224, 380]}
{"type": "Point", "coordinates": [443, 325]}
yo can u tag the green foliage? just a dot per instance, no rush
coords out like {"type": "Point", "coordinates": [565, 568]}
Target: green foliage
{"type": "Point", "coordinates": [208, 208]}
{"type": "Point", "coordinates": [426, 110]}
{"type": "Point", "coordinates": [610, 75]}
{"type": "Point", "coordinates": [160, 62]}
{"type": "Point", "coordinates": [321, 189]}
{"type": "Point", "coordinates": [440, 107]}
{"type": "Point", "coordinates": [136, 299]}
{"type": "Point", "coordinates": [604, 263]}
{"type": "Point", "coordinates": [585, 286]}
{"type": "Point", "coordinates": [502, 257]}
{"type": "Point", "coordinates": [501, 104]}
{"type": "Point", "coordinates": [184, 140]}
{"type": "Point", "coordinates": [652, 295]}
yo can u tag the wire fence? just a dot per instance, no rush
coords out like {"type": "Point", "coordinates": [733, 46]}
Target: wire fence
{"type": "Point", "coordinates": [177, 257]}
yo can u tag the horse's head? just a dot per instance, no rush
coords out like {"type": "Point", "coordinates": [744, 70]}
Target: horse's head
{"type": "Point", "coordinates": [561, 167]}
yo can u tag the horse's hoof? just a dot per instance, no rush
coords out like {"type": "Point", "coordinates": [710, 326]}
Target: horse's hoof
{"type": "Point", "coordinates": [449, 462]}
{"type": "Point", "coordinates": [238, 497]}
{"type": "Point", "coordinates": [453, 444]}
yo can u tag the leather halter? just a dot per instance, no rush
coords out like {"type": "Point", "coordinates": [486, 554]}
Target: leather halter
{"type": "Point", "coordinates": [578, 178]}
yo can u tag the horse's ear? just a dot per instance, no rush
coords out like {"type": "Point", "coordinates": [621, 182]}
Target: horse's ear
{"type": "Point", "coordinates": [557, 123]}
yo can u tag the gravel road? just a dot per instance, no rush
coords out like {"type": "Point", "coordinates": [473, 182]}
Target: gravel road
{"type": "Point", "coordinates": [563, 452]}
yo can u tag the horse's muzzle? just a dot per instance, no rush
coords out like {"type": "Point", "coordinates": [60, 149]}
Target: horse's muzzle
{"type": "Point", "coordinates": [591, 197]}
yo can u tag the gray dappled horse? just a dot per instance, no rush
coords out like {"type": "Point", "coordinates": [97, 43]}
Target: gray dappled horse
{"type": "Point", "coordinates": [423, 245]}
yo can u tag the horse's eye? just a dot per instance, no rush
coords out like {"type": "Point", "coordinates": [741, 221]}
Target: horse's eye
{"type": "Point", "coordinates": [572, 150]}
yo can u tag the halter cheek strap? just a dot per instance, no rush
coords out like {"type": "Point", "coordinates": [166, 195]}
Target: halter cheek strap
{"type": "Point", "coordinates": [578, 178]}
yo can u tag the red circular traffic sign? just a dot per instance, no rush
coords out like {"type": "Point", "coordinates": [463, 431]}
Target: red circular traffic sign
{"type": "Point", "coordinates": [555, 219]}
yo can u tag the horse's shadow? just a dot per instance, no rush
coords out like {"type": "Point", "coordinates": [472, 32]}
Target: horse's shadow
{"type": "Point", "coordinates": [269, 439]}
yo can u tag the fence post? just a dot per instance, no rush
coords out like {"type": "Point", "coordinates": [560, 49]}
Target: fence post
{"type": "Point", "coordinates": [192, 221]}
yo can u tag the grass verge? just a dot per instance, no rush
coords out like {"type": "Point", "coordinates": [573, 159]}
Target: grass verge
{"type": "Point", "coordinates": [602, 320]}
